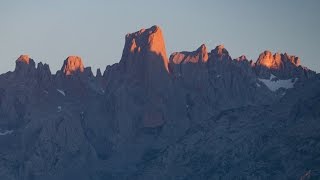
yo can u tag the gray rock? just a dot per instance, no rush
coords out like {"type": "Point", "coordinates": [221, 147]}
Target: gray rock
{"type": "Point", "coordinates": [198, 115]}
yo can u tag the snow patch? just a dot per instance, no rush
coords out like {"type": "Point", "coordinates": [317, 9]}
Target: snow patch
{"type": "Point", "coordinates": [5, 132]}
{"type": "Point", "coordinates": [274, 83]}
{"type": "Point", "coordinates": [59, 108]}
{"type": "Point", "coordinates": [258, 85]}
{"type": "Point", "coordinates": [218, 76]}
{"type": "Point", "coordinates": [61, 92]}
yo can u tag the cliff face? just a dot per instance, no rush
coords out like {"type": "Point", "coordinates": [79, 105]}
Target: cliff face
{"type": "Point", "coordinates": [72, 64]}
{"type": "Point", "coordinates": [282, 65]}
{"type": "Point", "coordinates": [198, 56]}
{"type": "Point", "coordinates": [198, 115]}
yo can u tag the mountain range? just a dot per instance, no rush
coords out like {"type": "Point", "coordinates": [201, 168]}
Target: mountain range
{"type": "Point", "coordinates": [192, 115]}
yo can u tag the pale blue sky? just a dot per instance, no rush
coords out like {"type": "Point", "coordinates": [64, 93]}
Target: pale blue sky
{"type": "Point", "coordinates": [50, 30]}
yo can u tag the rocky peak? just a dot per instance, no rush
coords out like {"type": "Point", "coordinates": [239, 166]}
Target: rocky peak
{"type": "Point", "coordinates": [200, 55]}
{"type": "Point", "coordinates": [202, 50]}
{"type": "Point", "coordinates": [43, 68]}
{"type": "Point", "coordinates": [43, 74]}
{"type": "Point", "coordinates": [98, 74]}
{"type": "Point", "coordinates": [276, 61]}
{"type": "Point", "coordinates": [241, 58]}
{"type": "Point", "coordinates": [72, 64]}
{"type": "Point", "coordinates": [293, 59]}
{"type": "Point", "coordinates": [268, 60]}
{"type": "Point", "coordinates": [220, 51]}
{"type": "Point", "coordinates": [283, 65]}
{"type": "Point", "coordinates": [87, 72]}
{"type": "Point", "coordinates": [24, 65]}
{"type": "Point", "coordinates": [24, 58]}
{"type": "Point", "coordinates": [145, 42]}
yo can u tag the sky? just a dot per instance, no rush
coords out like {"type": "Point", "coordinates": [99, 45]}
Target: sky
{"type": "Point", "coordinates": [49, 31]}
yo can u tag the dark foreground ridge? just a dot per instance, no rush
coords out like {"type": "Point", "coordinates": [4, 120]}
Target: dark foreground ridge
{"type": "Point", "coordinates": [194, 115]}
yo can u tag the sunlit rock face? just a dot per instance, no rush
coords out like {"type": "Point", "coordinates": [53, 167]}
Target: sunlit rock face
{"type": "Point", "coordinates": [144, 56]}
{"type": "Point", "coordinates": [146, 41]}
{"type": "Point", "coordinates": [24, 61]}
{"type": "Point", "coordinates": [220, 53]}
{"type": "Point", "coordinates": [282, 65]}
{"type": "Point", "coordinates": [198, 56]}
{"type": "Point", "coordinates": [25, 66]}
{"type": "Point", "coordinates": [202, 116]}
{"type": "Point", "coordinates": [24, 58]}
{"type": "Point", "coordinates": [276, 61]}
{"type": "Point", "coordinates": [190, 66]}
{"type": "Point", "coordinates": [72, 64]}
{"type": "Point", "coordinates": [144, 69]}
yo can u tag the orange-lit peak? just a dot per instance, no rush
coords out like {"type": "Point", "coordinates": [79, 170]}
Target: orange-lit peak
{"type": "Point", "coordinates": [203, 53]}
{"type": "Point", "coordinates": [24, 58]}
{"type": "Point", "coordinates": [202, 48]}
{"type": "Point", "coordinates": [277, 60]}
{"type": "Point", "coordinates": [266, 59]}
{"type": "Point", "coordinates": [220, 50]}
{"type": "Point", "coordinates": [72, 64]}
{"type": "Point", "coordinates": [293, 59]}
{"type": "Point", "coordinates": [146, 41]}
{"type": "Point", "coordinates": [199, 55]}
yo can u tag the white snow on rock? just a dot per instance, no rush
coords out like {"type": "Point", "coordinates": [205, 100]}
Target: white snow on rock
{"type": "Point", "coordinates": [274, 83]}
{"type": "Point", "coordinates": [5, 132]}
{"type": "Point", "coordinates": [59, 108]}
{"type": "Point", "coordinates": [61, 92]}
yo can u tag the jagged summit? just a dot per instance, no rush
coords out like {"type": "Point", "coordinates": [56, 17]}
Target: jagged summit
{"type": "Point", "coordinates": [146, 39]}
{"type": "Point", "coordinates": [98, 73]}
{"type": "Point", "coordinates": [220, 51]}
{"type": "Point", "coordinates": [24, 65]}
{"type": "Point", "coordinates": [199, 55]}
{"type": "Point", "coordinates": [72, 64]}
{"type": "Point", "coordinates": [144, 55]}
{"type": "Point", "coordinates": [293, 59]}
{"type": "Point", "coordinates": [146, 42]}
{"type": "Point", "coordinates": [24, 58]}
{"type": "Point", "coordinates": [283, 65]}
{"type": "Point", "coordinates": [277, 60]}
{"type": "Point", "coordinates": [138, 121]}
{"type": "Point", "coordinates": [242, 58]}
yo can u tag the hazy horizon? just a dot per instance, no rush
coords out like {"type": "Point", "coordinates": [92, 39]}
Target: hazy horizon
{"type": "Point", "coordinates": [50, 31]}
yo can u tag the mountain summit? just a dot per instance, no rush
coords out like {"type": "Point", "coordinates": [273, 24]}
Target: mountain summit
{"type": "Point", "coordinates": [200, 55]}
{"type": "Point", "coordinates": [24, 58]}
{"type": "Point", "coordinates": [282, 65]}
{"type": "Point", "coordinates": [25, 66]}
{"type": "Point", "coordinates": [277, 61]}
{"type": "Point", "coordinates": [201, 115]}
{"type": "Point", "coordinates": [72, 64]}
{"type": "Point", "coordinates": [148, 43]}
